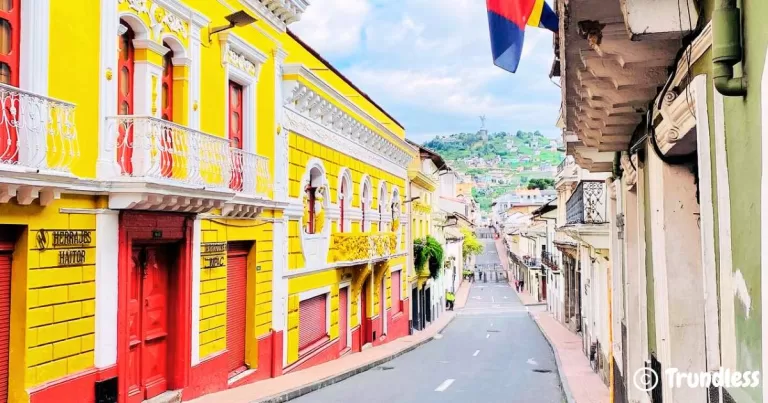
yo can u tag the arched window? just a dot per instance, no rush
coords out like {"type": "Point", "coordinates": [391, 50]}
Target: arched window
{"type": "Point", "coordinates": [167, 85]}
{"type": "Point", "coordinates": [342, 202]}
{"type": "Point", "coordinates": [395, 210]}
{"type": "Point", "coordinates": [236, 134]}
{"type": "Point", "coordinates": [125, 68]}
{"type": "Point", "coordinates": [382, 204]}
{"type": "Point", "coordinates": [315, 178]}
{"type": "Point", "coordinates": [365, 202]}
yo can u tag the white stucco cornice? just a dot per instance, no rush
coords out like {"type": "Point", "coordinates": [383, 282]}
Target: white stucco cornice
{"type": "Point", "coordinates": [293, 91]}
{"type": "Point", "coordinates": [278, 13]}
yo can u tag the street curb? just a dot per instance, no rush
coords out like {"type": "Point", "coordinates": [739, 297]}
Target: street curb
{"type": "Point", "coordinates": [311, 387]}
{"type": "Point", "coordinates": [563, 380]}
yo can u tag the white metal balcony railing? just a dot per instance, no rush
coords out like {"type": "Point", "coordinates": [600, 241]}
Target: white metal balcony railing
{"type": "Point", "coordinates": [36, 132]}
{"type": "Point", "coordinates": [148, 147]}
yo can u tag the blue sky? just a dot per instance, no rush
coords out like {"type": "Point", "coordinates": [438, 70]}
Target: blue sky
{"type": "Point", "coordinates": [429, 64]}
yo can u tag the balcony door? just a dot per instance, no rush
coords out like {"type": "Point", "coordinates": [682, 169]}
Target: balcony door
{"type": "Point", "coordinates": [236, 135]}
{"type": "Point", "coordinates": [125, 68]}
{"type": "Point", "coordinates": [167, 131]}
{"type": "Point", "coordinates": [10, 33]}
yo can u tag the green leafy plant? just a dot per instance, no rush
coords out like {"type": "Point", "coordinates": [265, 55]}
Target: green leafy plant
{"type": "Point", "coordinates": [428, 251]}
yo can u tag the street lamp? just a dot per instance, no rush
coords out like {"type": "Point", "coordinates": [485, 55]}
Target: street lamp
{"type": "Point", "coordinates": [236, 19]}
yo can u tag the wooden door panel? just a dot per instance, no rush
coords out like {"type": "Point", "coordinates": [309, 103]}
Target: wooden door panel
{"type": "Point", "coordinates": [134, 326]}
{"type": "Point", "coordinates": [155, 322]}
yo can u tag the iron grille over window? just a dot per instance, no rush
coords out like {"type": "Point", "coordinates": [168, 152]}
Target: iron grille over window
{"type": "Point", "coordinates": [587, 204]}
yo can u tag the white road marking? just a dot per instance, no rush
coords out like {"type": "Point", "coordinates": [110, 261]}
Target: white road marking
{"type": "Point", "coordinates": [487, 335]}
{"type": "Point", "coordinates": [531, 361]}
{"type": "Point", "coordinates": [492, 299]}
{"type": "Point", "coordinates": [476, 353]}
{"type": "Point", "coordinates": [443, 386]}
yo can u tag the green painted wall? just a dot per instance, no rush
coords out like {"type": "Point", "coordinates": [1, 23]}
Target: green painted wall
{"type": "Point", "coordinates": [743, 142]}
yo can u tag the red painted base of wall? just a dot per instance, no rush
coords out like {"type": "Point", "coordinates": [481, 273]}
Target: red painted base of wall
{"type": "Point", "coordinates": [76, 388]}
{"type": "Point", "coordinates": [212, 374]}
{"type": "Point", "coordinates": [357, 339]}
{"type": "Point", "coordinates": [397, 326]}
{"type": "Point", "coordinates": [327, 353]}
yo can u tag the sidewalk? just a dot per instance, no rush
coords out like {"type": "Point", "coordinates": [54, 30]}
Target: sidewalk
{"type": "Point", "coordinates": [300, 383]}
{"type": "Point", "coordinates": [525, 298]}
{"type": "Point", "coordinates": [580, 383]}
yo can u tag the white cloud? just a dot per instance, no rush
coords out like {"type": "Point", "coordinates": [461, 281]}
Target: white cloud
{"type": "Point", "coordinates": [431, 66]}
{"type": "Point", "coordinates": [333, 27]}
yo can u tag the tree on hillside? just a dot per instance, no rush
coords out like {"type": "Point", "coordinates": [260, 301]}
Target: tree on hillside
{"type": "Point", "coordinates": [541, 183]}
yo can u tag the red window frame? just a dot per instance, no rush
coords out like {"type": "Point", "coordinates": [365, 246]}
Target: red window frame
{"type": "Point", "coordinates": [235, 130]}
{"type": "Point", "coordinates": [343, 201]}
{"type": "Point", "coordinates": [166, 112]}
{"type": "Point", "coordinates": [125, 138]}
{"type": "Point", "coordinates": [12, 59]}
{"type": "Point", "coordinates": [314, 331]}
{"type": "Point", "coordinates": [311, 193]}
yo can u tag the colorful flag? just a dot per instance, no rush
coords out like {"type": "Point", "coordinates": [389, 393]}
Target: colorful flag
{"type": "Point", "coordinates": [507, 20]}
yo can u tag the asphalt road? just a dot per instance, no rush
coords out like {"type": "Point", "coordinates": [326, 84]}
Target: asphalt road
{"type": "Point", "coordinates": [492, 352]}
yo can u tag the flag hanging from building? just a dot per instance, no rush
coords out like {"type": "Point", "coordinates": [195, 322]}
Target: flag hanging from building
{"type": "Point", "coordinates": [507, 20]}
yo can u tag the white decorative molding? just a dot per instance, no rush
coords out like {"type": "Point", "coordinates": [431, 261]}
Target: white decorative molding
{"type": "Point", "coordinates": [630, 170]}
{"type": "Point", "coordinates": [105, 351]}
{"type": "Point", "coordinates": [164, 15]}
{"type": "Point", "coordinates": [313, 130]}
{"type": "Point", "coordinates": [195, 330]}
{"type": "Point", "coordinates": [314, 105]}
{"type": "Point", "coordinates": [35, 43]}
{"type": "Point", "coordinates": [240, 54]}
{"type": "Point", "coordinates": [679, 119]}
{"type": "Point", "coordinates": [693, 53]}
{"type": "Point", "coordinates": [278, 13]}
{"type": "Point", "coordinates": [315, 247]}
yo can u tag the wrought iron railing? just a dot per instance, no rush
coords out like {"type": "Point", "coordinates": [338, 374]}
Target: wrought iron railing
{"type": "Point", "coordinates": [148, 147]}
{"type": "Point", "coordinates": [565, 163]}
{"type": "Point", "coordinates": [531, 261]}
{"type": "Point", "coordinates": [587, 204]}
{"type": "Point", "coordinates": [36, 131]}
{"type": "Point", "coordinates": [250, 173]}
{"type": "Point", "coordinates": [549, 259]}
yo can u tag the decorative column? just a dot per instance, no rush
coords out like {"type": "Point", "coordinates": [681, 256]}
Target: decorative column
{"type": "Point", "coordinates": [280, 228]}
{"type": "Point", "coordinates": [108, 32]}
{"type": "Point", "coordinates": [197, 22]}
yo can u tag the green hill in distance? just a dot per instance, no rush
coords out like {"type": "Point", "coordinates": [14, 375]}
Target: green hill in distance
{"type": "Point", "coordinates": [499, 162]}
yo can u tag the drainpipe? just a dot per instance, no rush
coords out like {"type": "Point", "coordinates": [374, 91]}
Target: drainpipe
{"type": "Point", "coordinates": [726, 48]}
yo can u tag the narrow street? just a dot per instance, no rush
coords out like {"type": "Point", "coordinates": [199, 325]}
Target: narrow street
{"type": "Point", "coordinates": [491, 352]}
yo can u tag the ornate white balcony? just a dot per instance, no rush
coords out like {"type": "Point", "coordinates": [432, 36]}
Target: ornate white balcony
{"type": "Point", "coordinates": [163, 152]}
{"type": "Point", "coordinates": [158, 164]}
{"type": "Point", "coordinates": [37, 133]}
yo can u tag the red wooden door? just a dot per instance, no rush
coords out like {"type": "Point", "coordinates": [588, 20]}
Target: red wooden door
{"type": "Point", "coordinates": [396, 292]}
{"type": "Point", "coordinates": [237, 288]}
{"type": "Point", "coordinates": [236, 134]}
{"type": "Point", "coordinates": [364, 329]}
{"type": "Point", "coordinates": [383, 305]}
{"type": "Point", "coordinates": [10, 34]}
{"type": "Point", "coordinates": [343, 317]}
{"type": "Point", "coordinates": [166, 140]}
{"type": "Point", "coordinates": [148, 323]}
{"type": "Point", "coordinates": [5, 316]}
{"type": "Point", "coordinates": [125, 67]}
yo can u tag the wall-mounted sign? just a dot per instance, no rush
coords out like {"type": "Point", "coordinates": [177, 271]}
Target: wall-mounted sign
{"type": "Point", "coordinates": [70, 245]}
{"type": "Point", "coordinates": [214, 255]}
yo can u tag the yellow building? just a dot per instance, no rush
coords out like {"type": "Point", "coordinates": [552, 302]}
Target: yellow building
{"type": "Point", "coordinates": [426, 220]}
{"type": "Point", "coordinates": [177, 179]}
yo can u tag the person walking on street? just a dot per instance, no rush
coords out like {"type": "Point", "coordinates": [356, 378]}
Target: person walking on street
{"type": "Point", "coordinates": [450, 300]}
{"type": "Point", "coordinates": [522, 285]}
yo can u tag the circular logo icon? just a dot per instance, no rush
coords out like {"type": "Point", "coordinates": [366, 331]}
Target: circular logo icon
{"type": "Point", "coordinates": [645, 379]}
